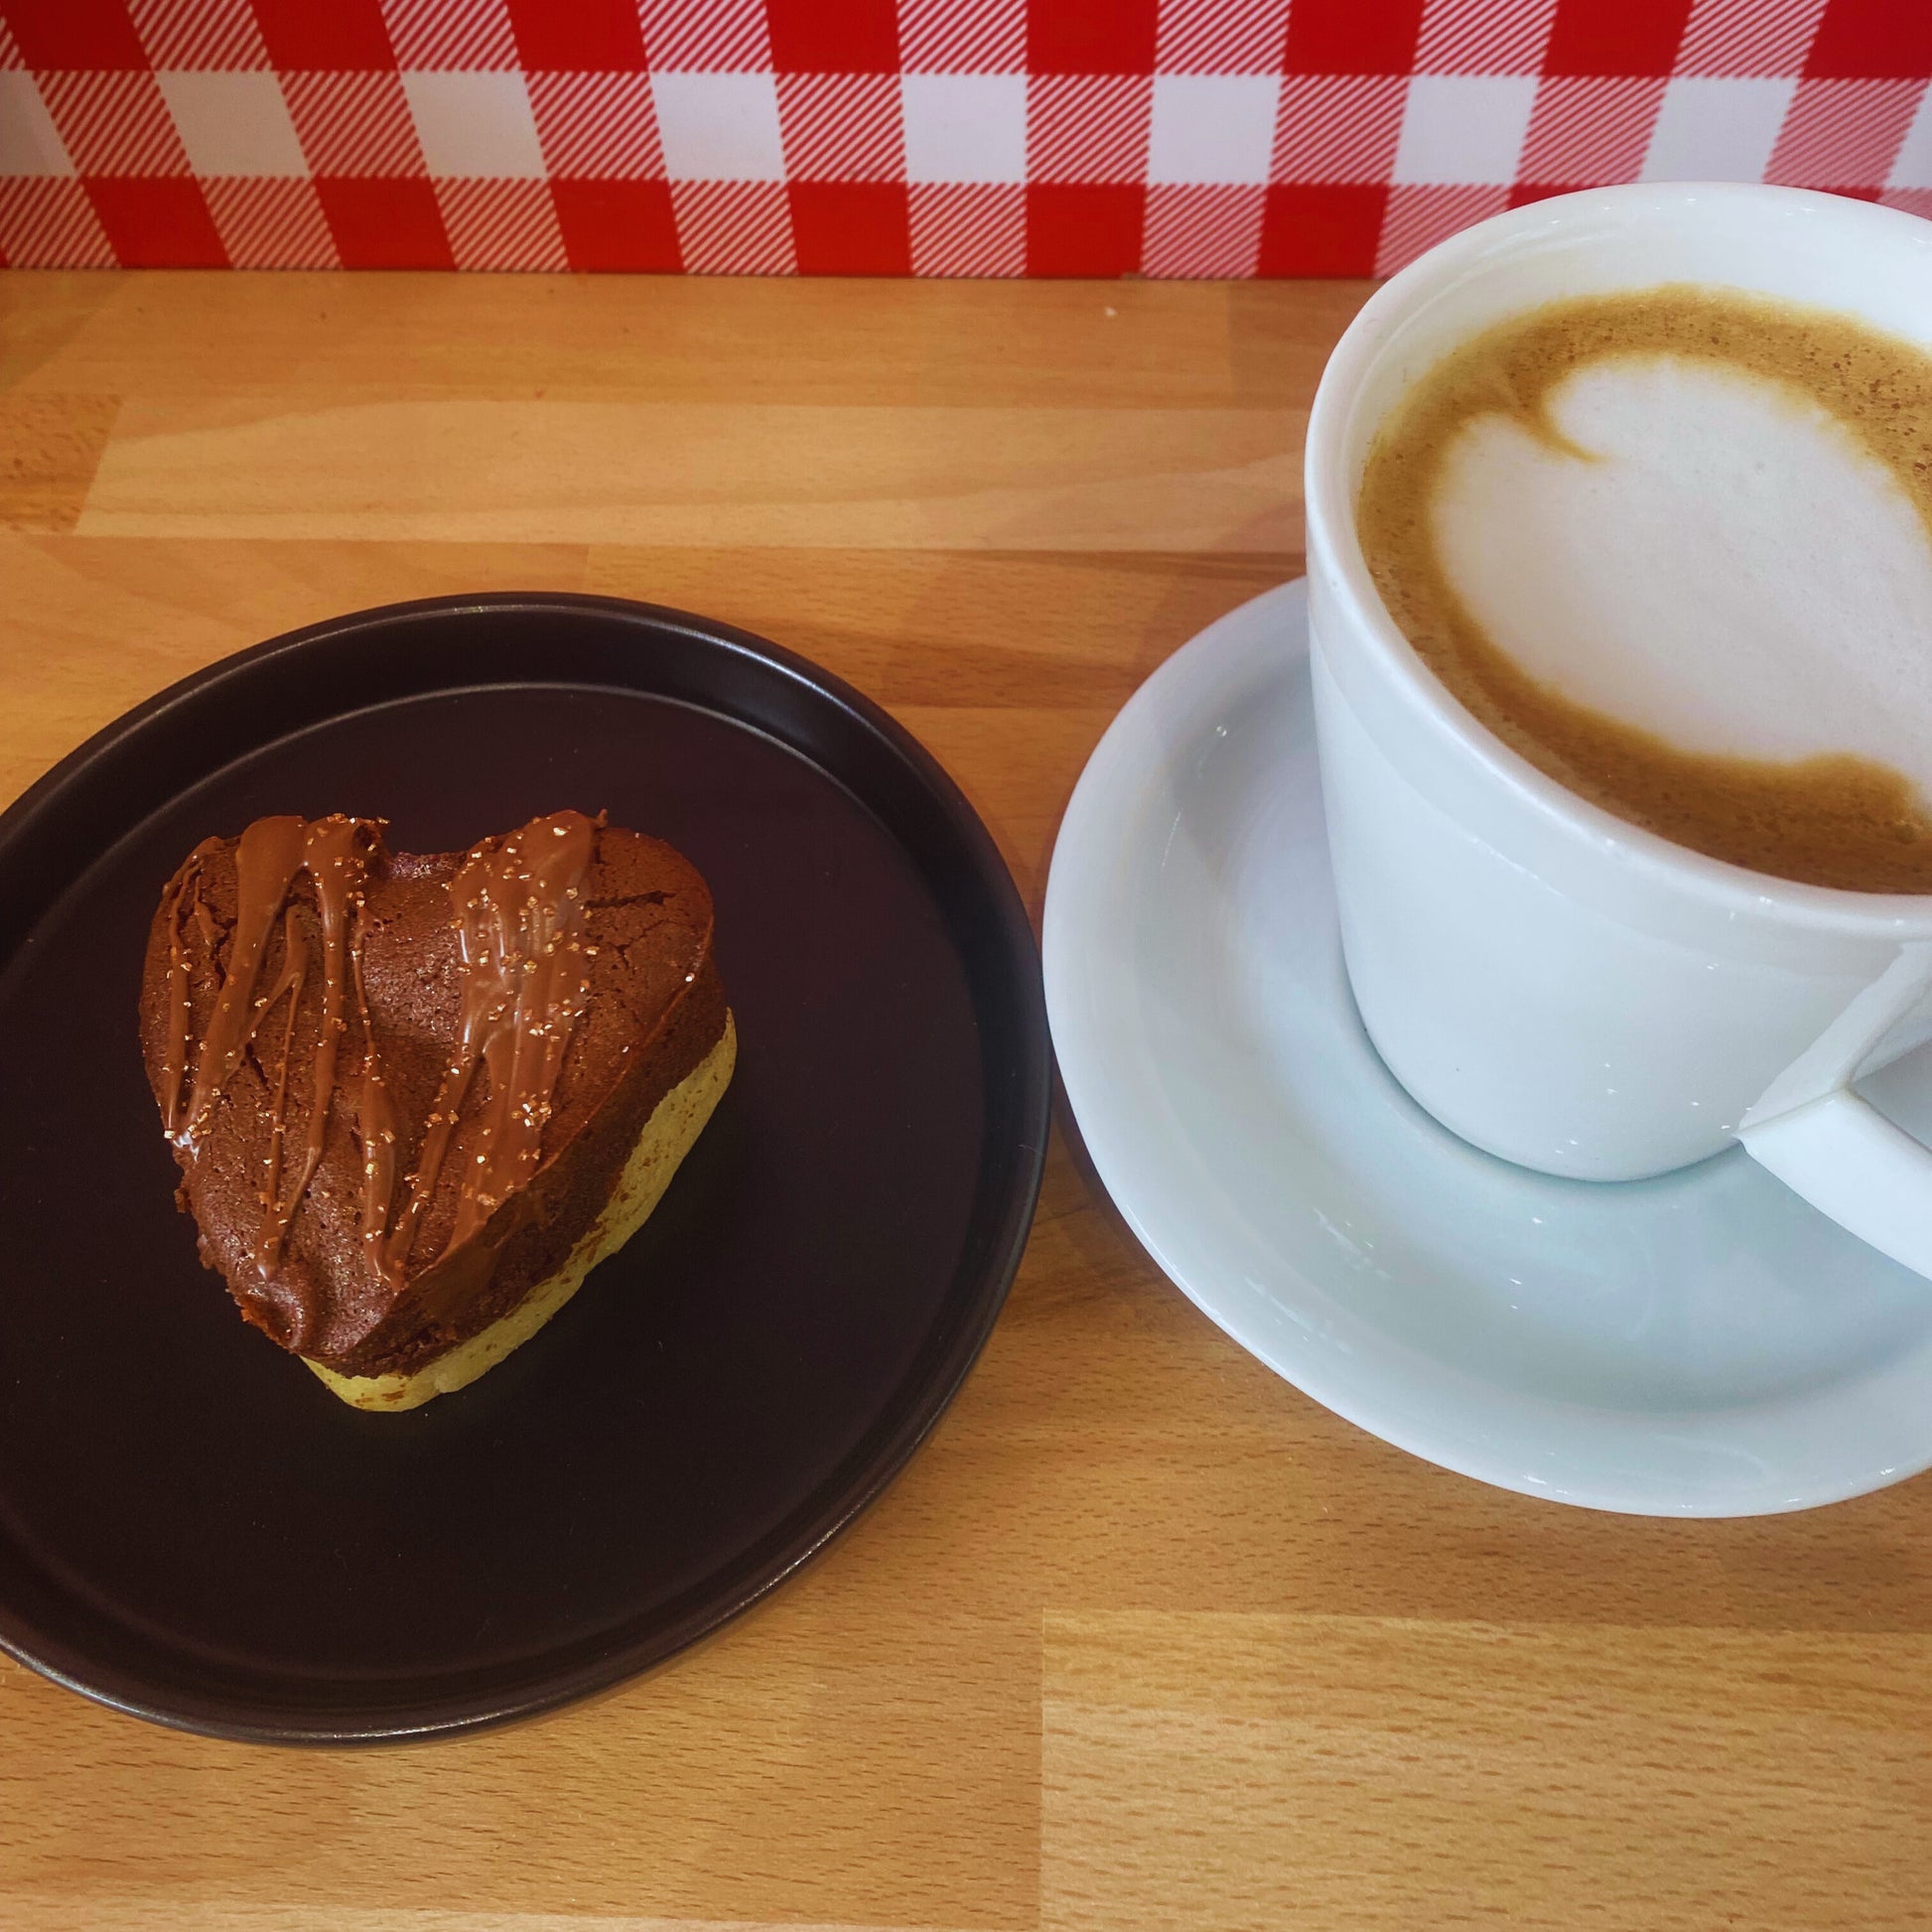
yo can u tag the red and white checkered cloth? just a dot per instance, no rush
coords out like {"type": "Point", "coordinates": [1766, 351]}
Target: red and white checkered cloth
{"type": "Point", "coordinates": [922, 137]}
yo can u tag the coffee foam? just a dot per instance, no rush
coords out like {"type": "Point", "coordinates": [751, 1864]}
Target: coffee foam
{"type": "Point", "coordinates": [1701, 552]}
{"type": "Point", "coordinates": [1675, 546]}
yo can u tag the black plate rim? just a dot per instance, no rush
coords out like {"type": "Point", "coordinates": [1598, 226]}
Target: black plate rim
{"type": "Point", "coordinates": [842, 1498]}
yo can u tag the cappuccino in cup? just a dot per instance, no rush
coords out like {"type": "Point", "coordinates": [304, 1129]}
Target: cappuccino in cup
{"type": "Point", "coordinates": [1674, 546]}
{"type": "Point", "coordinates": [1620, 651]}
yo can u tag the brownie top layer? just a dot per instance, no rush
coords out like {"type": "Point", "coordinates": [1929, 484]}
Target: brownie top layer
{"type": "Point", "coordinates": [400, 1086]}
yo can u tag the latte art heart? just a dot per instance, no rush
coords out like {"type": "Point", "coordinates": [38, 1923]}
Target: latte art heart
{"type": "Point", "coordinates": [1674, 546]}
{"type": "Point", "coordinates": [1713, 557]}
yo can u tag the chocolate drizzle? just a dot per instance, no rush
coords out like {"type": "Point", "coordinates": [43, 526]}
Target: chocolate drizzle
{"type": "Point", "coordinates": [519, 915]}
{"type": "Point", "coordinates": [184, 890]}
{"type": "Point", "coordinates": [271, 852]}
{"type": "Point", "coordinates": [290, 981]}
{"type": "Point", "coordinates": [376, 1131]}
{"type": "Point", "coordinates": [517, 906]}
{"type": "Point", "coordinates": [265, 864]}
{"type": "Point", "coordinates": [336, 862]}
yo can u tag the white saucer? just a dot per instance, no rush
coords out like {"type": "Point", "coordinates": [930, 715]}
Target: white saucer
{"type": "Point", "coordinates": [1700, 1345]}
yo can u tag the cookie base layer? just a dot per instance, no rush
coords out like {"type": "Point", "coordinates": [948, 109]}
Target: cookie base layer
{"type": "Point", "coordinates": [668, 1136]}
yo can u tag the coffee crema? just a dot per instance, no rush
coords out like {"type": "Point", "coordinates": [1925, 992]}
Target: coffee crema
{"type": "Point", "coordinates": [1832, 817]}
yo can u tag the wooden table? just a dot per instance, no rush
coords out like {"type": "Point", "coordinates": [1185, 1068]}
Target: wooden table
{"type": "Point", "coordinates": [1143, 1638]}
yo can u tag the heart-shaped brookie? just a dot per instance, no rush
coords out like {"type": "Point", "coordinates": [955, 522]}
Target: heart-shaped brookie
{"type": "Point", "coordinates": [415, 1098]}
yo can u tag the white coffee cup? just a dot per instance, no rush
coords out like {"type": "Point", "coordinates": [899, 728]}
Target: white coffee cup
{"type": "Point", "coordinates": [1559, 987]}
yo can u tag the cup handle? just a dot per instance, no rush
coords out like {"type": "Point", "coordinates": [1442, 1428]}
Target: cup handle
{"type": "Point", "coordinates": [1836, 1150]}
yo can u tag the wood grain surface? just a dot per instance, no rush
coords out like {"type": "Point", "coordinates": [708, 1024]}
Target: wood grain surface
{"type": "Point", "coordinates": [1143, 1638]}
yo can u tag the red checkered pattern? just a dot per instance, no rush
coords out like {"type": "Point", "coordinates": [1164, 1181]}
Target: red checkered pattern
{"type": "Point", "coordinates": [911, 137]}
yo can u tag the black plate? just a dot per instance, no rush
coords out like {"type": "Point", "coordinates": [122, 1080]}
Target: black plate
{"type": "Point", "coordinates": [192, 1528]}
